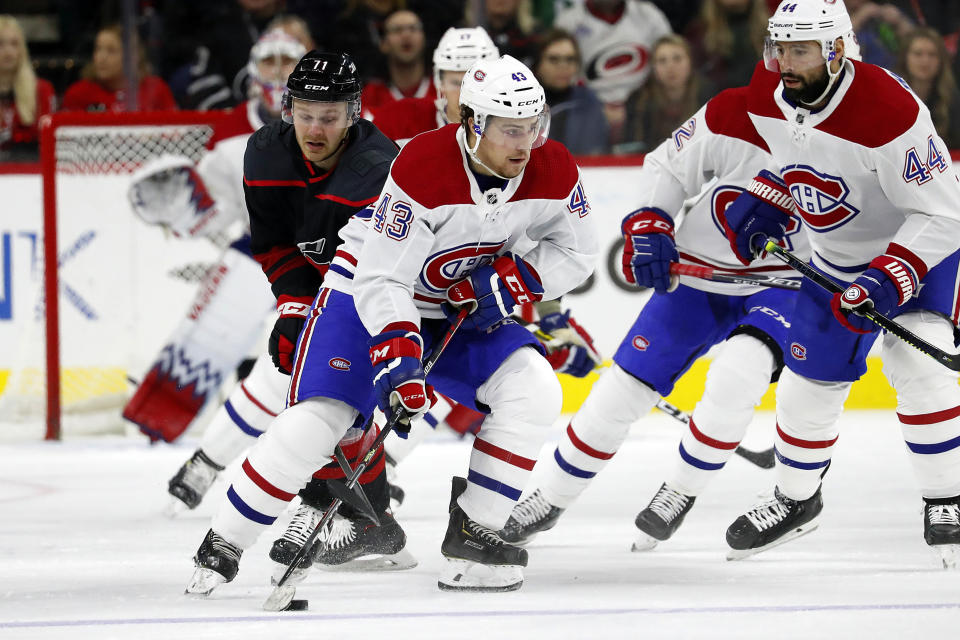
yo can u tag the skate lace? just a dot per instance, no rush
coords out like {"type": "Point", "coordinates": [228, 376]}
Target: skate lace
{"type": "Point", "coordinates": [668, 504]}
{"type": "Point", "coordinates": [765, 515]}
{"type": "Point", "coordinates": [488, 536]}
{"type": "Point", "coordinates": [198, 475]}
{"type": "Point", "coordinates": [302, 524]}
{"type": "Point", "coordinates": [339, 533]}
{"type": "Point", "coordinates": [222, 546]}
{"type": "Point", "coordinates": [944, 514]}
{"type": "Point", "coordinates": [532, 509]}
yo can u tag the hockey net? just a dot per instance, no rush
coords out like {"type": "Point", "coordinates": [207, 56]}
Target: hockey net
{"type": "Point", "coordinates": [121, 285]}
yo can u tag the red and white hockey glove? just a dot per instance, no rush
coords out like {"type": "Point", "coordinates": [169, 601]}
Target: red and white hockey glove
{"type": "Point", "coordinates": [398, 376]}
{"type": "Point", "coordinates": [494, 290]}
{"type": "Point", "coordinates": [570, 349]}
{"type": "Point", "coordinates": [888, 283]}
{"type": "Point", "coordinates": [648, 249]}
{"type": "Point", "coordinates": [293, 312]}
{"type": "Point", "coordinates": [762, 211]}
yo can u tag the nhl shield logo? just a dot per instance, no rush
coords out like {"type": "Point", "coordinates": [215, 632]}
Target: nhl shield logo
{"type": "Point", "coordinates": [798, 351]}
{"type": "Point", "coordinates": [640, 343]}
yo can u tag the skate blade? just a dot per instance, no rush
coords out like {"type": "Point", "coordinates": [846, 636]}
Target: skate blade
{"type": "Point", "coordinates": [296, 577]}
{"type": "Point", "coordinates": [203, 582]}
{"type": "Point", "coordinates": [175, 507]}
{"type": "Point", "coordinates": [399, 561]}
{"type": "Point", "coordinates": [948, 554]}
{"type": "Point", "coordinates": [280, 598]}
{"type": "Point", "coordinates": [464, 575]}
{"type": "Point", "coordinates": [643, 543]}
{"type": "Point", "coordinates": [802, 530]}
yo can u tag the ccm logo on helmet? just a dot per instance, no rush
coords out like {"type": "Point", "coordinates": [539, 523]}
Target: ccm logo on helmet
{"type": "Point", "coordinates": [320, 87]}
{"type": "Point", "coordinates": [528, 102]}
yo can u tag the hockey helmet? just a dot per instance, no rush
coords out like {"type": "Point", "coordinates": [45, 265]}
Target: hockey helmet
{"type": "Point", "coordinates": [821, 21]}
{"type": "Point", "coordinates": [324, 77]}
{"type": "Point", "coordinates": [504, 88]}
{"type": "Point", "coordinates": [457, 51]}
{"type": "Point", "coordinates": [276, 44]}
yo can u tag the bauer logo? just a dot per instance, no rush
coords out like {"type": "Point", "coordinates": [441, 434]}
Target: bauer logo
{"type": "Point", "coordinates": [798, 351]}
{"type": "Point", "coordinates": [341, 364]}
{"type": "Point", "coordinates": [640, 343]}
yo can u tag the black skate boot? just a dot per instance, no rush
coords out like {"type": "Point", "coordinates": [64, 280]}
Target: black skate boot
{"type": "Point", "coordinates": [217, 561]}
{"type": "Point", "coordinates": [530, 517]}
{"type": "Point", "coordinates": [192, 481]}
{"type": "Point", "coordinates": [355, 543]}
{"type": "Point", "coordinates": [773, 522]}
{"type": "Point", "coordinates": [661, 518]}
{"type": "Point", "coordinates": [285, 548]}
{"type": "Point", "coordinates": [941, 529]}
{"type": "Point", "coordinates": [477, 559]}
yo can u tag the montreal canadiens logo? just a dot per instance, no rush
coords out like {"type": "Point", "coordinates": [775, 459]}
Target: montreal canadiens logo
{"type": "Point", "coordinates": [640, 343]}
{"type": "Point", "coordinates": [821, 198]}
{"type": "Point", "coordinates": [618, 60]}
{"type": "Point", "coordinates": [444, 268]}
{"type": "Point", "coordinates": [341, 364]}
{"type": "Point", "coordinates": [479, 75]}
{"type": "Point", "coordinates": [798, 351]}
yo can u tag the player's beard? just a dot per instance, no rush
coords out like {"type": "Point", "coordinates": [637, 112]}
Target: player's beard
{"type": "Point", "coordinates": [809, 90]}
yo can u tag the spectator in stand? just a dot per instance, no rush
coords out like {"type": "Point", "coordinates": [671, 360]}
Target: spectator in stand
{"type": "Point", "coordinates": [681, 13]}
{"type": "Point", "coordinates": [511, 25]}
{"type": "Point", "coordinates": [576, 114]}
{"type": "Point", "coordinates": [103, 84]}
{"type": "Point", "coordinates": [294, 26]}
{"type": "Point", "coordinates": [879, 27]}
{"type": "Point", "coordinates": [925, 64]}
{"type": "Point", "coordinates": [673, 94]}
{"type": "Point", "coordinates": [23, 97]}
{"type": "Point", "coordinates": [728, 40]}
{"type": "Point", "coordinates": [359, 29]}
{"type": "Point", "coordinates": [615, 38]}
{"type": "Point", "coordinates": [402, 44]}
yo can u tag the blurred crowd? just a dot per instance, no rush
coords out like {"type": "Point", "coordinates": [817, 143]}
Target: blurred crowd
{"type": "Point", "coordinates": [619, 75]}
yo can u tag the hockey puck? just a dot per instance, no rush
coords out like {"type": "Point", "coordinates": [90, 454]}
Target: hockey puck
{"type": "Point", "coordinates": [298, 605]}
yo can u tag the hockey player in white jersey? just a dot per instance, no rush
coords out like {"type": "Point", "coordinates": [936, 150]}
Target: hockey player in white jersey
{"type": "Point", "coordinates": [485, 213]}
{"type": "Point", "coordinates": [878, 195]}
{"type": "Point", "coordinates": [680, 323]}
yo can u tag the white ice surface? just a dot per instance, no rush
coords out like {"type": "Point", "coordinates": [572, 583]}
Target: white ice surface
{"type": "Point", "coordinates": [86, 553]}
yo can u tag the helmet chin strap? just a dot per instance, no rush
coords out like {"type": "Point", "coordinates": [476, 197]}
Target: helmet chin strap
{"type": "Point", "coordinates": [831, 79]}
{"type": "Point", "coordinates": [472, 152]}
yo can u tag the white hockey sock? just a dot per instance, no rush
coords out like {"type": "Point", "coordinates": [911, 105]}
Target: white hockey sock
{"type": "Point", "coordinates": [928, 404]}
{"type": "Point", "coordinates": [736, 382]}
{"type": "Point", "coordinates": [300, 441]}
{"type": "Point", "coordinates": [616, 401]}
{"type": "Point", "coordinates": [807, 415]}
{"type": "Point", "coordinates": [247, 413]}
{"type": "Point", "coordinates": [399, 448]}
{"type": "Point", "coordinates": [524, 397]}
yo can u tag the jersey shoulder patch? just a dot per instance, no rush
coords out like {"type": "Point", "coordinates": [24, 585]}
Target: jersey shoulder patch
{"type": "Point", "coordinates": [430, 169]}
{"type": "Point", "coordinates": [876, 109]}
{"type": "Point", "coordinates": [726, 115]}
{"type": "Point", "coordinates": [551, 174]}
{"type": "Point", "coordinates": [371, 149]}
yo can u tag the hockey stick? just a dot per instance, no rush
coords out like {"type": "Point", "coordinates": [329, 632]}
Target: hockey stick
{"type": "Point", "coordinates": [355, 498]}
{"type": "Point", "coordinates": [764, 459]}
{"type": "Point", "coordinates": [708, 273]}
{"type": "Point", "coordinates": [282, 595]}
{"type": "Point", "coordinates": [950, 361]}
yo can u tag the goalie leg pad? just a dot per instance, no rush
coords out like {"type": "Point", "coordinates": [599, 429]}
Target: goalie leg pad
{"type": "Point", "coordinates": [736, 381]}
{"type": "Point", "coordinates": [928, 404]}
{"type": "Point", "coordinates": [807, 415]}
{"type": "Point", "coordinates": [300, 441]}
{"type": "Point", "coordinates": [616, 401]}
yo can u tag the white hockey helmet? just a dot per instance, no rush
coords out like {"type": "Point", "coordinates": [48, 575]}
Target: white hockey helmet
{"type": "Point", "coordinates": [457, 50]}
{"type": "Point", "coordinates": [275, 43]}
{"type": "Point", "coordinates": [822, 21]}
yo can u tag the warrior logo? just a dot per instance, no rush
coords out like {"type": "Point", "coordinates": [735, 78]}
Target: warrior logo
{"type": "Point", "coordinates": [444, 268]}
{"type": "Point", "coordinates": [798, 351]}
{"type": "Point", "coordinates": [341, 364]}
{"type": "Point", "coordinates": [724, 195]}
{"type": "Point", "coordinates": [618, 60]}
{"type": "Point", "coordinates": [821, 198]}
{"type": "Point", "coordinates": [640, 343]}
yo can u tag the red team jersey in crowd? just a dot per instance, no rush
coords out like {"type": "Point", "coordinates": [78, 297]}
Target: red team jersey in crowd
{"type": "Point", "coordinates": [86, 95]}
{"type": "Point", "coordinates": [377, 94]}
{"type": "Point", "coordinates": [402, 120]}
{"type": "Point", "coordinates": [12, 130]}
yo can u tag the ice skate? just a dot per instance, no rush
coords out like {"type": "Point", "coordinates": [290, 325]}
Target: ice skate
{"type": "Point", "coordinates": [285, 548]}
{"type": "Point", "coordinates": [217, 561]}
{"type": "Point", "coordinates": [356, 544]}
{"type": "Point", "coordinates": [477, 559]}
{"type": "Point", "coordinates": [772, 523]}
{"type": "Point", "coordinates": [661, 518]}
{"type": "Point", "coordinates": [941, 529]}
{"type": "Point", "coordinates": [530, 517]}
{"type": "Point", "coordinates": [192, 482]}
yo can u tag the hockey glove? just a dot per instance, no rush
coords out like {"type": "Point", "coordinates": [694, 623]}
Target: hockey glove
{"type": "Point", "coordinates": [398, 376]}
{"type": "Point", "coordinates": [494, 290]}
{"type": "Point", "coordinates": [293, 312]}
{"type": "Point", "coordinates": [887, 284]}
{"type": "Point", "coordinates": [571, 350]}
{"type": "Point", "coordinates": [762, 211]}
{"type": "Point", "coordinates": [169, 192]}
{"type": "Point", "coordinates": [648, 249]}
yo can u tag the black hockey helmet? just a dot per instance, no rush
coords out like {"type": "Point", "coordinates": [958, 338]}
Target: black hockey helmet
{"type": "Point", "coordinates": [324, 77]}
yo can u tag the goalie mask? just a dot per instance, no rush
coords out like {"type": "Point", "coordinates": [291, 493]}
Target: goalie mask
{"type": "Point", "coordinates": [271, 60]}
{"type": "Point", "coordinates": [324, 77]}
{"type": "Point", "coordinates": [457, 51]}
